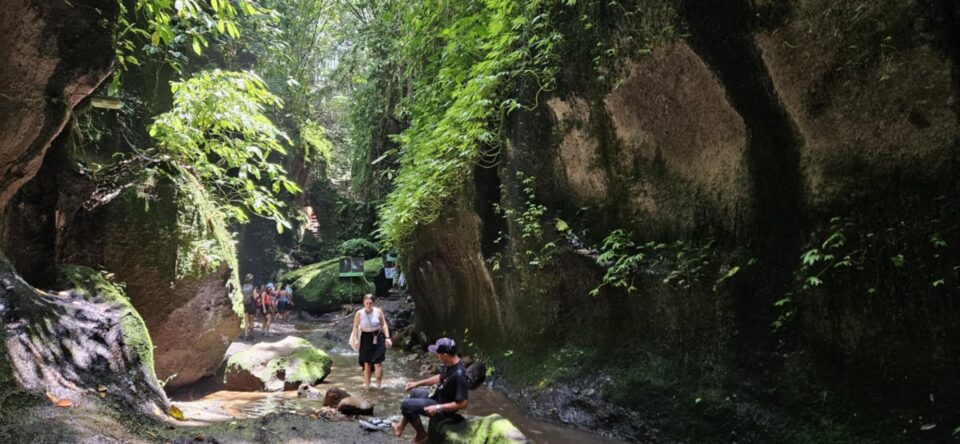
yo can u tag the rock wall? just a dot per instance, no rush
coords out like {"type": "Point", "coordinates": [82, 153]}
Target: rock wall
{"type": "Point", "coordinates": [82, 349]}
{"type": "Point", "coordinates": [171, 251]}
{"type": "Point", "coordinates": [56, 53]}
{"type": "Point", "coordinates": [761, 132]}
{"type": "Point", "coordinates": [178, 273]}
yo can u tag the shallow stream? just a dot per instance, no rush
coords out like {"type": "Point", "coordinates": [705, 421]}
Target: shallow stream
{"type": "Point", "coordinates": [206, 403]}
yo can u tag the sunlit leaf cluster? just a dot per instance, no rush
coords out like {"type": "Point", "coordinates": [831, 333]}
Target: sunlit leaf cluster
{"type": "Point", "coordinates": [161, 27]}
{"type": "Point", "coordinates": [218, 131]}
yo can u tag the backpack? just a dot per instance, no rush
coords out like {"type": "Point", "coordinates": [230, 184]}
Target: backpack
{"type": "Point", "coordinates": [247, 291]}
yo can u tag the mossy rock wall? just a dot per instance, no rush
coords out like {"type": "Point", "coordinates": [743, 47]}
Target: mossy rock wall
{"type": "Point", "coordinates": [761, 131]}
{"type": "Point", "coordinates": [317, 288]}
{"type": "Point", "coordinates": [178, 261]}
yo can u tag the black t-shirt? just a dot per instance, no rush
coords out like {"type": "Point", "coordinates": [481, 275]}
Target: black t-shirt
{"type": "Point", "coordinates": [453, 383]}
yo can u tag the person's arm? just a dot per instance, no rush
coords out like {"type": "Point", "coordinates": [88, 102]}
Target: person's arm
{"type": "Point", "coordinates": [435, 379]}
{"type": "Point", "coordinates": [448, 407]}
{"type": "Point", "coordinates": [354, 336]}
{"type": "Point", "coordinates": [385, 328]}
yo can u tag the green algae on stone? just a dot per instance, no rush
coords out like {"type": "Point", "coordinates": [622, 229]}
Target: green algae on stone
{"type": "Point", "coordinates": [91, 283]}
{"type": "Point", "coordinates": [274, 366]}
{"type": "Point", "coordinates": [318, 287]}
{"type": "Point", "coordinates": [490, 429]}
{"type": "Point", "coordinates": [204, 241]}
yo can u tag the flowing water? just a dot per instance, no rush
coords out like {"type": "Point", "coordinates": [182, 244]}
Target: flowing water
{"type": "Point", "coordinates": [205, 403]}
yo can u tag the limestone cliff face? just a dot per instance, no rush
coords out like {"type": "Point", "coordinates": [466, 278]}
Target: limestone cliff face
{"type": "Point", "coordinates": [55, 54]}
{"type": "Point", "coordinates": [768, 127]}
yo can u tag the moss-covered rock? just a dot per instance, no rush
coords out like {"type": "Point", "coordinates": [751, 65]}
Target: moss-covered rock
{"type": "Point", "coordinates": [94, 285]}
{"type": "Point", "coordinates": [317, 288]}
{"type": "Point", "coordinates": [275, 366]}
{"type": "Point", "coordinates": [490, 429]}
{"type": "Point", "coordinates": [85, 344]}
{"type": "Point", "coordinates": [179, 264]}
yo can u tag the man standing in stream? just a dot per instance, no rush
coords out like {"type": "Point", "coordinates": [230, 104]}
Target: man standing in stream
{"type": "Point", "coordinates": [449, 397]}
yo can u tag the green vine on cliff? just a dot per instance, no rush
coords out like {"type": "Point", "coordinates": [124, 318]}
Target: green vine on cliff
{"type": "Point", "coordinates": [462, 72]}
{"type": "Point", "coordinates": [682, 263]}
{"type": "Point", "coordinates": [528, 218]}
{"type": "Point", "coordinates": [860, 258]}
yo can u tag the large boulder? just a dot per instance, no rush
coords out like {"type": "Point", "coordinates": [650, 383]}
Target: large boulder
{"type": "Point", "coordinates": [178, 263]}
{"type": "Point", "coordinates": [490, 429]}
{"type": "Point", "coordinates": [317, 288]}
{"type": "Point", "coordinates": [274, 366]}
{"type": "Point", "coordinates": [85, 347]}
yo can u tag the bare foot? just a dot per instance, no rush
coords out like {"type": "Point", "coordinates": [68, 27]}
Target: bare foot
{"type": "Point", "coordinates": [397, 431]}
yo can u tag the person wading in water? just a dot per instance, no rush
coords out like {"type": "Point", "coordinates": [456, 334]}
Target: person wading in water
{"type": "Point", "coordinates": [370, 326]}
{"type": "Point", "coordinates": [449, 397]}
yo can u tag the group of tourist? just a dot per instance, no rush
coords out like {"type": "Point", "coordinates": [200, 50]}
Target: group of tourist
{"type": "Point", "coordinates": [266, 302]}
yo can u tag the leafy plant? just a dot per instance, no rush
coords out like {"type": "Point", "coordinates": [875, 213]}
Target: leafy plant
{"type": "Point", "coordinates": [682, 263]}
{"type": "Point", "coordinates": [218, 131]}
{"type": "Point", "coordinates": [359, 247]}
{"type": "Point", "coordinates": [528, 218]}
{"type": "Point", "coordinates": [160, 27]}
{"type": "Point", "coordinates": [620, 264]}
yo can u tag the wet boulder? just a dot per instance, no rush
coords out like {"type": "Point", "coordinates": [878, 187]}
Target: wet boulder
{"type": "Point", "coordinates": [333, 396]}
{"type": "Point", "coordinates": [307, 392]}
{"type": "Point", "coordinates": [476, 373]}
{"type": "Point", "coordinates": [355, 406]}
{"type": "Point", "coordinates": [274, 366]}
{"type": "Point", "coordinates": [490, 429]}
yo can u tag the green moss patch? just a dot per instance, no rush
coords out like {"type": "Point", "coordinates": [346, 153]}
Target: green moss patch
{"type": "Point", "coordinates": [490, 429]}
{"type": "Point", "coordinates": [275, 366]}
{"type": "Point", "coordinates": [205, 242]}
{"type": "Point", "coordinates": [317, 288]}
{"type": "Point", "coordinates": [93, 284]}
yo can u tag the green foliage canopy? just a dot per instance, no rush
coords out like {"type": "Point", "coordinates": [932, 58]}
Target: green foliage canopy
{"type": "Point", "coordinates": [162, 26]}
{"type": "Point", "coordinates": [359, 247]}
{"type": "Point", "coordinates": [217, 130]}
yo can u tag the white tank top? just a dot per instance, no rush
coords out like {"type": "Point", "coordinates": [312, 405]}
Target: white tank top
{"type": "Point", "coordinates": [369, 322]}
